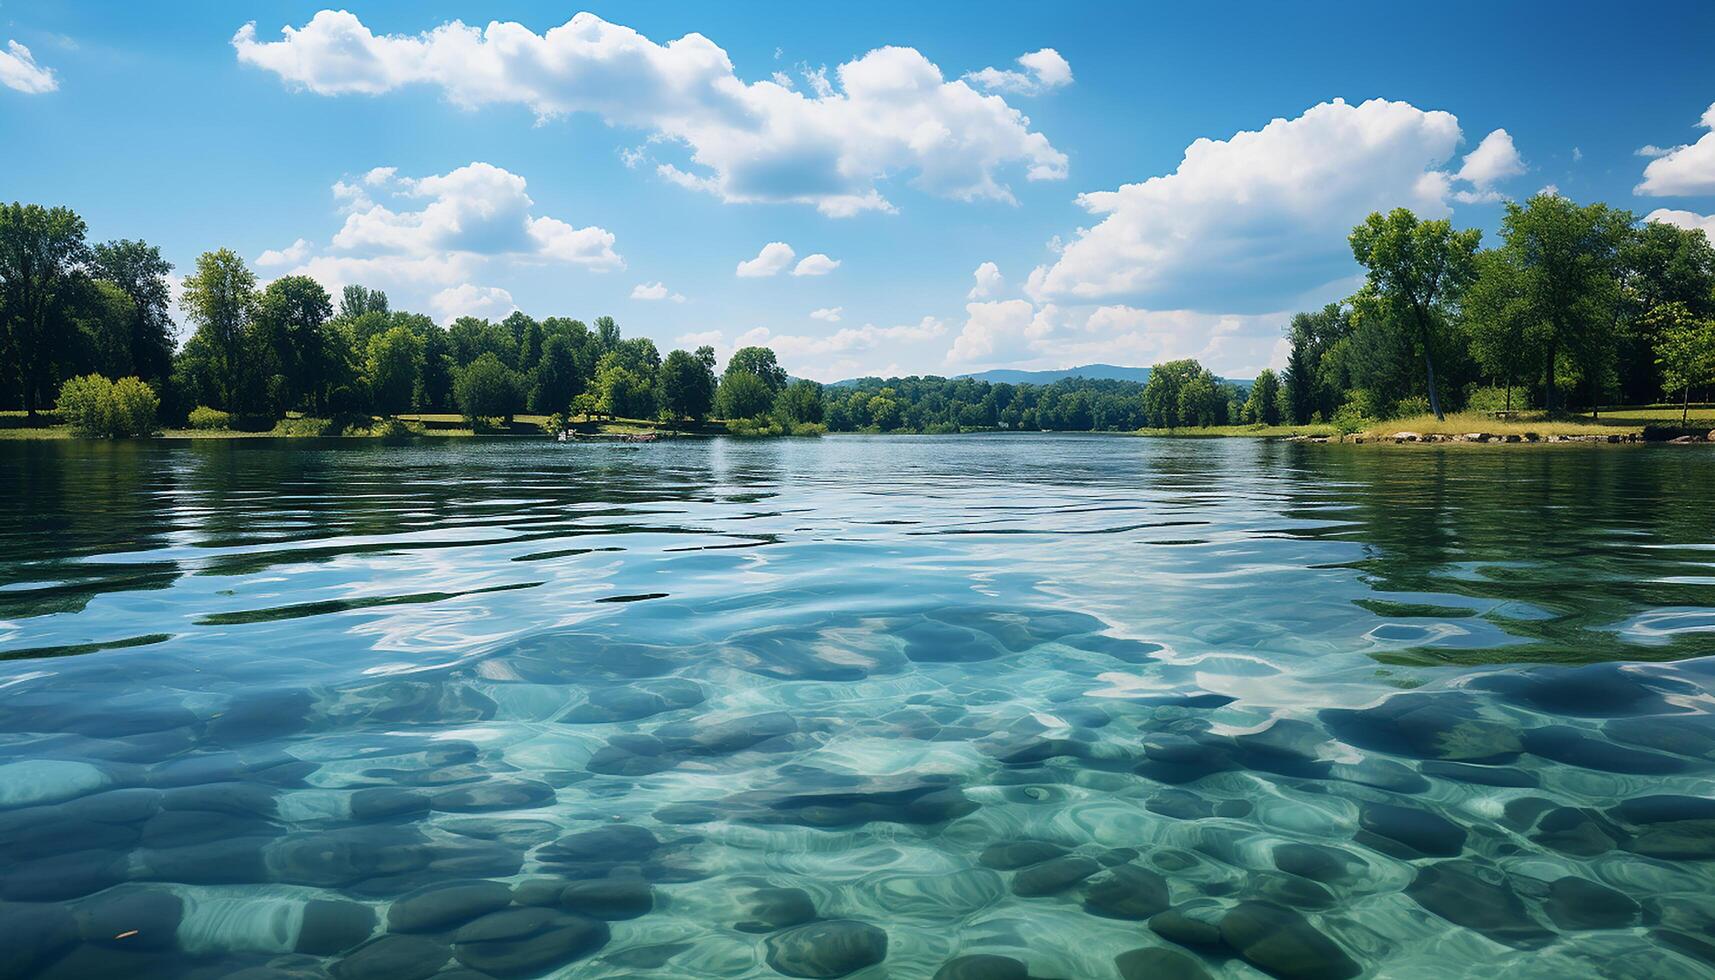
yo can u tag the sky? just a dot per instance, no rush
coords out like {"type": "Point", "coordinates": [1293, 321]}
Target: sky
{"type": "Point", "coordinates": [870, 189]}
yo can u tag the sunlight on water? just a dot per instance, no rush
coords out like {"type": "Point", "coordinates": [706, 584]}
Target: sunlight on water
{"type": "Point", "coordinates": [993, 707]}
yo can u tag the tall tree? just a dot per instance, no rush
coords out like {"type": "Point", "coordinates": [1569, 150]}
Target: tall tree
{"type": "Point", "coordinates": [1263, 404]}
{"type": "Point", "coordinates": [1567, 258]}
{"type": "Point", "coordinates": [687, 384]}
{"type": "Point", "coordinates": [220, 298]}
{"type": "Point", "coordinates": [291, 319]}
{"type": "Point", "coordinates": [1685, 349]}
{"type": "Point", "coordinates": [138, 269]}
{"type": "Point", "coordinates": [1418, 270]}
{"type": "Point", "coordinates": [392, 367]}
{"type": "Point", "coordinates": [43, 257]}
{"type": "Point", "coordinates": [1506, 335]}
{"type": "Point", "coordinates": [556, 376]}
{"type": "Point", "coordinates": [761, 362]}
{"type": "Point", "coordinates": [355, 301]}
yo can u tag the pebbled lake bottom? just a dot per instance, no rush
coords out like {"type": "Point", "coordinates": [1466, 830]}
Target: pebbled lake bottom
{"type": "Point", "coordinates": [961, 707]}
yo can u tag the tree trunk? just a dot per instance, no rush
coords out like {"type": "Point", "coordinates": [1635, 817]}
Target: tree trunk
{"type": "Point", "coordinates": [1429, 367]}
{"type": "Point", "coordinates": [1685, 409]}
{"type": "Point", "coordinates": [1548, 392]}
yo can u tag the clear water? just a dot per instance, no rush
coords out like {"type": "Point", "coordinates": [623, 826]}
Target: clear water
{"type": "Point", "coordinates": [722, 709]}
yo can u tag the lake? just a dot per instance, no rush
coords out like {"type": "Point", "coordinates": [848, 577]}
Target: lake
{"type": "Point", "coordinates": [864, 706]}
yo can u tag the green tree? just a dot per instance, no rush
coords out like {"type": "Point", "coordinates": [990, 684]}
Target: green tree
{"type": "Point", "coordinates": [392, 369]}
{"type": "Point", "coordinates": [487, 389]}
{"type": "Point", "coordinates": [220, 298]}
{"type": "Point", "coordinates": [1685, 349]}
{"type": "Point", "coordinates": [606, 334]}
{"type": "Point", "coordinates": [687, 383]}
{"type": "Point", "coordinates": [1659, 263]}
{"type": "Point", "coordinates": [1567, 261]}
{"type": "Point", "coordinates": [556, 376]}
{"type": "Point", "coordinates": [743, 395]}
{"type": "Point", "coordinates": [42, 267]}
{"type": "Point", "coordinates": [1417, 270]}
{"type": "Point", "coordinates": [1506, 337]}
{"type": "Point", "coordinates": [1263, 404]}
{"type": "Point", "coordinates": [761, 362]}
{"type": "Point", "coordinates": [799, 403]}
{"type": "Point", "coordinates": [291, 321]}
{"type": "Point", "coordinates": [355, 301]}
{"type": "Point", "coordinates": [622, 392]}
{"type": "Point", "coordinates": [138, 269]}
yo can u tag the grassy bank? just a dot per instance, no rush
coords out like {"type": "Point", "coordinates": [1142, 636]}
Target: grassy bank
{"type": "Point", "coordinates": [1314, 430]}
{"type": "Point", "coordinates": [14, 425]}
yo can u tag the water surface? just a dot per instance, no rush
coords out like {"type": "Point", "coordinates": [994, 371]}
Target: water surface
{"type": "Point", "coordinates": [857, 706]}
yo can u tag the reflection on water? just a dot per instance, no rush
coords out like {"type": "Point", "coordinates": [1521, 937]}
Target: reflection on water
{"type": "Point", "coordinates": [910, 707]}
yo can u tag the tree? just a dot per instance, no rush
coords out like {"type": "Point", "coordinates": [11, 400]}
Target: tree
{"type": "Point", "coordinates": [686, 383]}
{"type": "Point", "coordinates": [759, 361]}
{"type": "Point", "coordinates": [622, 392]}
{"type": "Point", "coordinates": [355, 301]}
{"type": "Point", "coordinates": [606, 334]}
{"type": "Point", "coordinates": [799, 403]}
{"type": "Point", "coordinates": [1263, 405]}
{"type": "Point", "coordinates": [291, 321]}
{"type": "Point", "coordinates": [556, 377]}
{"type": "Point", "coordinates": [220, 298]}
{"type": "Point", "coordinates": [487, 389]}
{"type": "Point", "coordinates": [1659, 263]}
{"type": "Point", "coordinates": [1312, 382]}
{"type": "Point", "coordinates": [742, 395]}
{"type": "Point", "coordinates": [392, 367]}
{"type": "Point", "coordinates": [1164, 404]}
{"type": "Point", "coordinates": [1685, 349]}
{"type": "Point", "coordinates": [1506, 337]}
{"type": "Point", "coordinates": [1417, 269]}
{"type": "Point", "coordinates": [138, 269]}
{"type": "Point", "coordinates": [1567, 260]}
{"type": "Point", "coordinates": [42, 265]}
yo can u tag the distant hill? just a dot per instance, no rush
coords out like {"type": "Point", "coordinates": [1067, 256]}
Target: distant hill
{"type": "Point", "coordinates": [1106, 372]}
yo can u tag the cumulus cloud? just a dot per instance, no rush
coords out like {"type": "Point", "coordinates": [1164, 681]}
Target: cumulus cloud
{"type": "Point", "coordinates": [1651, 151]}
{"type": "Point", "coordinates": [1042, 70]}
{"type": "Point", "coordinates": [1249, 222]}
{"type": "Point", "coordinates": [439, 233]}
{"type": "Point", "coordinates": [830, 314]}
{"type": "Point", "coordinates": [988, 281]}
{"type": "Point", "coordinates": [1495, 159]}
{"type": "Point", "coordinates": [292, 254]}
{"type": "Point", "coordinates": [1017, 333]}
{"type": "Point", "coordinates": [845, 353]}
{"type": "Point", "coordinates": [488, 302]}
{"type": "Point", "coordinates": [19, 71]}
{"type": "Point", "coordinates": [774, 257]}
{"type": "Point", "coordinates": [1684, 219]}
{"type": "Point", "coordinates": [655, 291]}
{"type": "Point", "coordinates": [890, 112]}
{"type": "Point", "coordinates": [815, 265]}
{"type": "Point", "coordinates": [1000, 331]}
{"type": "Point", "coordinates": [1683, 170]}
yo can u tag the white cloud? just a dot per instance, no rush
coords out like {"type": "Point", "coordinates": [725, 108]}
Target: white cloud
{"type": "Point", "coordinates": [830, 314]}
{"type": "Point", "coordinates": [1495, 159]}
{"type": "Point", "coordinates": [892, 111]}
{"type": "Point", "coordinates": [773, 257]}
{"type": "Point", "coordinates": [653, 291]}
{"type": "Point", "coordinates": [488, 302]}
{"type": "Point", "coordinates": [1683, 170]}
{"type": "Point", "coordinates": [1248, 222]}
{"type": "Point", "coordinates": [999, 331]}
{"type": "Point", "coordinates": [19, 71]}
{"type": "Point", "coordinates": [988, 281]}
{"type": "Point", "coordinates": [1043, 70]}
{"type": "Point", "coordinates": [1017, 333]}
{"type": "Point", "coordinates": [1652, 151]}
{"type": "Point", "coordinates": [292, 254]}
{"type": "Point", "coordinates": [468, 220]}
{"type": "Point", "coordinates": [1577, 154]}
{"type": "Point", "coordinates": [845, 353]}
{"type": "Point", "coordinates": [1684, 219]}
{"type": "Point", "coordinates": [815, 265]}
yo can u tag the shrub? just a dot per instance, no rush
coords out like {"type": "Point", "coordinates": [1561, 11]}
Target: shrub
{"type": "Point", "coordinates": [392, 429]}
{"type": "Point", "coordinates": [1410, 406]}
{"type": "Point", "coordinates": [1349, 418]}
{"type": "Point", "coordinates": [203, 417]}
{"type": "Point", "coordinates": [95, 406]}
{"type": "Point", "coordinates": [1495, 400]}
{"type": "Point", "coordinates": [308, 427]}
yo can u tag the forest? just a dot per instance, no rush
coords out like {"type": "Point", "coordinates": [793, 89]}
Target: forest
{"type": "Point", "coordinates": [1575, 307]}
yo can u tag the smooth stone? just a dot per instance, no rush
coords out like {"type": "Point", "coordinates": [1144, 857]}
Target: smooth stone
{"type": "Point", "coordinates": [494, 794]}
{"type": "Point", "coordinates": [1593, 691]}
{"type": "Point", "coordinates": [983, 966]}
{"type": "Point", "coordinates": [1012, 855]}
{"type": "Point", "coordinates": [1282, 943]}
{"type": "Point", "coordinates": [1177, 927]}
{"type": "Point", "coordinates": [1665, 808]}
{"type": "Point", "coordinates": [611, 899]}
{"type": "Point", "coordinates": [385, 803]}
{"type": "Point", "coordinates": [527, 942]}
{"type": "Point", "coordinates": [442, 906]}
{"type": "Point", "coordinates": [1676, 735]}
{"type": "Point", "coordinates": [1408, 832]}
{"type": "Point", "coordinates": [1180, 805]}
{"type": "Point", "coordinates": [1577, 903]}
{"type": "Point", "coordinates": [609, 705]}
{"type": "Point", "coordinates": [332, 927]}
{"type": "Point", "coordinates": [35, 782]}
{"type": "Point", "coordinates": [1679, 840]}
{"type": "Point", "coordinates": [1292, 891]}
{"type": "Point", "coordinates": [337, 858]}
{"type": "Point", "coordinates": [33, 935]}
{"type": "Point", "coordinates": [1173, 859]}
{"type": "Point", "coordinates": [1425, 726]}
{"type": "Point", "coordinates": [833, 948]}
{"type": "Point", "coordinates": [393, 958]}
{"type": "Point", "coordinates": [1456, 891]}
{"type": "Point", "coordinates": [1465, 772]}
{"type": "Point", "coordinates": [1053, 876]}
{"type": "Point", "coordinates": [1568, 745]}
{"type": "Point", "coordinates": [776, 908]}
{"type": "Point", "coordinates": [1127, 892]}
{"type": "Point", "coordinates": [603, 847]}
{"type": "Point", "coordinates": [1159, 963]}
{"type": "Point", "coordinates": [63, 876]}
{"type": "Point", "coordinates": [1328, 865]}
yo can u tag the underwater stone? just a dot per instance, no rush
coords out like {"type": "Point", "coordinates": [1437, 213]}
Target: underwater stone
{"type": "Point", "coordinates": [1570, 830]}
{"type": "Point", "coordinates": [1173, 859]}
{"type": "Point", "coordinates": [1407, 832]}
{"type": "Point", "coordinates": [1126, 892]}
{"type": "Point", "coordinates": [31, 935]}
{"type": "Point", "coordinates": [331, 927]}
{"type": "Point", "coordinates": [1158, 963]}
{"type": "Point", "coordinates": [826, 949]}
{"type": "Point", "coordinates": [606, 705]}
{"type": "Point", "coordinates": [1568, 745]}
{"type": "Point", "coordinates": [1461, 892]}
{"type": "Point", "coordinates": [1177, 927]}
{"type": "Point", "coordinates": [604, 846]}
{"type": "Point", "coordinates": [1282, 943]}
{"type": "Point", "coordinates": [1593, 691]}
{"type": "Point", "coordinates": [1052, 876]}
{"type": "Point", "coordinates": [63, 876]}
{"type": "Point", "coordinates": [393, 958]}
{"type": "Point", "coordinates": [611, 899]}
{"type": "Point", "coordinates": [1011, 855]}
{"type": "Point", "coordinates": [1577, 903]}
{"type": "Point", "coordinates": [35, 782]}
{"type": "Point", "coordinates": [1180, 805]}
{"type": "Point", "coordinates": [444, 905]}
{"type": "Point", "coordinates": [1291, 890]}
{"type": "Point", "coordinates": [983, 966]}
{"type": "Point", "coordinates": [527, 942]}
{"type": "Point", "coordinates": [776, 908]}
{"type": "Point", "coordinates": [1464, 772]}
{"type": "Point", "coordinates": [1425, 726]}
{"type": "Point", "coordinates": [383, 803]}
{"type": "Point", "coordinates": [495, 794]}
{"type": "Point", "coordinates": [1317, 862]}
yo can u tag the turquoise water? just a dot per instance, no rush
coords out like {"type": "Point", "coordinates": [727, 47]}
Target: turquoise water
{"type": "Point", "coordinates": [1053, 706]}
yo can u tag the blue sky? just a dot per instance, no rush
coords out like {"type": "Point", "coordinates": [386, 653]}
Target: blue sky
{"type": "Point", "coordinates": [568, 172]}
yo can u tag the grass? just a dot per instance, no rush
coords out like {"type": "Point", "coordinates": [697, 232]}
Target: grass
{"type": "Point", "coordinates": [1459, 423]}
{"type": "Point", "coordinates": [1250, 431]}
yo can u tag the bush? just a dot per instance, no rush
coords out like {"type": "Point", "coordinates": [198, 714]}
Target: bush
{"type": "Point", "coordinates": [1409, 407]}
{"type": "Point", "coordinates": [1495, 400]}
{"type": "Point", "coordinates": [755, 428]}
{"type": "Point", "coordinates": [203, 417]}
{"type": "Point", "coordinates": [392, 429]}
{"type": "Point", "coordinates": [1350, 418]}
{"type": "Point", "coordinates": [308, 428]}
{"type": "Point", "coordinates": [95, 406]}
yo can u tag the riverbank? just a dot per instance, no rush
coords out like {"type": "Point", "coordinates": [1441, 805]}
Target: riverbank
{"type": "Point", "coordinates": [14, 425]}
